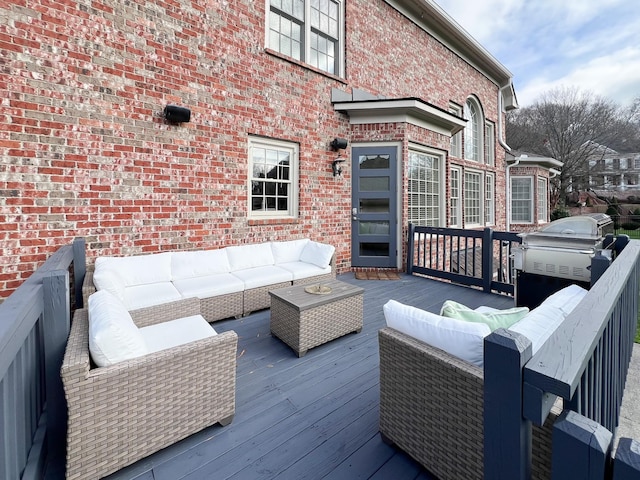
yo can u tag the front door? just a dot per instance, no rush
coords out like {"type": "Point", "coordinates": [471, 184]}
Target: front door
{"type": "Point", "coordinates": [374, 207]}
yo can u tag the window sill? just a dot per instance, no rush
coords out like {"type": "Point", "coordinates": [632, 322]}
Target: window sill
{"type": "Point", "coordinates": [286, 58]}
{"type": "Point", "coordinates": [253, 222]}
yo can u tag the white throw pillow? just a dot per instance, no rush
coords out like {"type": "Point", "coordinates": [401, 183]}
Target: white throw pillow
{"type": "Point", "coordinates": [464, 340]}
{"type": "Point", "coordinates": [317, 253]}
{"type": "Point", "coordinates": [113, 337]}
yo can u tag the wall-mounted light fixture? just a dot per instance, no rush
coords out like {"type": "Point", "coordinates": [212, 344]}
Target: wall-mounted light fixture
{"type": "Point", "coordinates": [175, 114]}
{"type": "Point", "coordinates": [338, 144]}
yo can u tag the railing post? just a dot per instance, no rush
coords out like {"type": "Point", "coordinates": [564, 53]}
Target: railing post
{"type": "Point", "coordinates": [487, 259]}
{"type": "Point", "coordinates": [507, 434]}
{"type": "Point", "coordinates": [79, 268]}
{"type": "Point", "coordinates": [56, 318]}
{"type": "Point", "coordinates": [627, 462]}
{"type": "Point", "coordinates": [410, 247]}
{"type": "Point", "coordinates": [576, 438]}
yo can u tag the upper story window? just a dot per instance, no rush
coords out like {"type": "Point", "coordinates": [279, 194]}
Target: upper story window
{"type": "Point", "coordinates": [455, 150]}
{"type": "Point", "coordinates": [273, 178]}
{"type": "Point", "coordinates": [473, 131]}
{"type": "Point", "coordinates": [309, 31]}
{"type": "Point", "coordinates": [489, 143]}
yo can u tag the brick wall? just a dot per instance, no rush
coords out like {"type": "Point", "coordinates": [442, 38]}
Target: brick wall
{"type": "Point", "coordinates": [85, 152]}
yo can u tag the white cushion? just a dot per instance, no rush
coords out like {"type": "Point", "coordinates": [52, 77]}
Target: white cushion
{"type": "Point", "coordinates": [176, 332]}
{"type": "Point", "coordinates": [543, 320]}
{"type": "Point", "coordinates": [304, 270]}
{"type": "Point", "coordinates": [317, 253]}
{"type": "Point", "coordinates": [249, 256]}
{"type": "Point", "coordinates": [284, 252]}
{"type": "Point", "coordinates": [263, 276]}
{"type": "Point", "coordinates": [135, 270]}
{"type": "Point", "coordinates": [198, 264]}
{"type": "Point", "coordinates": [113, 337]}
{"type": "Point", "coordinates": [107, 278]}
{"type": "Point", "coordinates": [464, 340]}
{"type": "Point", "coordinates": [209, 286]}
{"type": "Point", "coordinates": [148, 295]}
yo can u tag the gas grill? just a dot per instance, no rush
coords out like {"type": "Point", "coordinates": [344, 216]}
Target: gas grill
{"type": "Point", "coordinates": [558, 254]}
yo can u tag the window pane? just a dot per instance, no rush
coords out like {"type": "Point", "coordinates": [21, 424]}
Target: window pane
{"type": "Point", "coordinates": [370, 162]}
{"type": "Point", "coordinates": [374, 205]}
{"type": "Point", "coordinates": [374, 249]}
{"type": "Point", "coordinates": [472, 199]}
{"type": "Point", "coordinates": [373, 228]}
{"type": "Point", "coordinates": [374, 184]}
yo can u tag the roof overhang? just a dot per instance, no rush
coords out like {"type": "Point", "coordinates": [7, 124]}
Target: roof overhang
{"type": "Point", "coordinates": [401, 110]}
{"type": "Point", "coordinates": [544, 162]}
{"type": "Point", "coordinates": [433, 19]}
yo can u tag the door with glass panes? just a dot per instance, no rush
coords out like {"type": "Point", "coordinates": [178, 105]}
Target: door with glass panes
{"type": "Point", "coordinates": [374, 207]}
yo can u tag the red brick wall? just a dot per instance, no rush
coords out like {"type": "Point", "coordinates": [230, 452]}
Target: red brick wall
{"type": "Point", "coordinates": [84, 151]}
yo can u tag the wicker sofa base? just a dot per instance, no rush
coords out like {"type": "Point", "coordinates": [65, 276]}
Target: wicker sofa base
{"type": "Point", "coordinates": [431, 407]}
{"type": "Point", "coordinates": [120, 414]}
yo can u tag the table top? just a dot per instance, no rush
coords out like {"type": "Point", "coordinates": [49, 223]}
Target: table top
{"type": "Point", "coordinates": [297, 297]}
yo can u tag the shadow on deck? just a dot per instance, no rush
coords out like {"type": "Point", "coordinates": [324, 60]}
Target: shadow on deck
{"type": "Point", "coordinates": [312, 417]}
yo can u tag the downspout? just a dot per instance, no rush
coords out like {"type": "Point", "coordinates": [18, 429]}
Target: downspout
{"type": "Point", "coordinates": [504, 145]}
{"type": "Point", "coordinates": [508, 202]}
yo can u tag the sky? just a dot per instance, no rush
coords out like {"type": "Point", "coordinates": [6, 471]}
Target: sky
{"type": "Point", "coordinates": [591, 45]}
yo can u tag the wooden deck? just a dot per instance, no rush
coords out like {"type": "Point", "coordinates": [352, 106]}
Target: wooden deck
{"type": "Point", "coordinates": [312, 417]}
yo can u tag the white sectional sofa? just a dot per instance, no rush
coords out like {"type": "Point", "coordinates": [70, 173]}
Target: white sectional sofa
{"type": "Point", "coordinates": [229, 282]}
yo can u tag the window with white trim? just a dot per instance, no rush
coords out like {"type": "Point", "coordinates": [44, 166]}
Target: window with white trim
{"type": "Point", "coordinates": [455, 150]}
{"type": "Point", "coordinates": [473, 199]}
{"type": "Point", "coordinates": [455, 197]}
{"type": "Point", "coordinates": [308, 31]}
{"type": "Point", "coordinates": [543, 208]}
{"type": "Point", "coordinates": [521, 200]}
{"type": "Point", "coordinates": [473, 131]}
{"type": "Point", "coordinates": [489, 143]}
{"type": "Point", "coordinates": [424, 188]}
{"type": "Point", "coordinates": [489, 201]}
{"type": "Point", "coordinates": [273, 178]}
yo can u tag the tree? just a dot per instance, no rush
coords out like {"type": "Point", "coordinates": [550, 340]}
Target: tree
{"type": "Point", "coordinates": [571, 126]}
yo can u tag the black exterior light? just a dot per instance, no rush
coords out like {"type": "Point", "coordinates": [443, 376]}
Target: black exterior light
{"type": "Point", "coordinates": [175, 114]}
{"type": "Point", "coordinates": [338, 144]}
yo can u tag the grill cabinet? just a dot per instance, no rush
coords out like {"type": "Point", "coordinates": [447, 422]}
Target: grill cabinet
{"type": "Point", "coordinates": [557, 255]}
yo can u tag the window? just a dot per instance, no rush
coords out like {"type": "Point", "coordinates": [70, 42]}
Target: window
{"type": "Point", "coordinates": [455, 150]}
{"type": "Point", "coordinates": [472, 198]}
{"type": "Point", "coordinates": [308, 31]}
{"type": "Point", "coordinates": [542, 200]}
{"type": "Point", "coordinates": [455, 211]}
{"type": "Point", "coordinates": [522, 200]}
{"type": "Point", "coordinates": [489, 209]}
{"type": "Point", "coordinates": [472, 131]}
{"type": "Point", "coordinates": [489, 144]}
{"type": "Point", "coordinates": [424, 188]}
{"type": "Point", "coordinates": [273, 178]}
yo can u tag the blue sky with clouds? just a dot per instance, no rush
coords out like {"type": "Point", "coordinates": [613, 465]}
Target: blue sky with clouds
{"type": "Point", "coordinates": [593, 45]}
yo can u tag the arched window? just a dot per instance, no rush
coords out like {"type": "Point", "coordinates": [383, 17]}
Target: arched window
{"type": "Point", "coordinates": [473, 131]}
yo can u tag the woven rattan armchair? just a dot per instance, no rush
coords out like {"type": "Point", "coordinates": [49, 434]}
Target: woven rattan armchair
{"type": "Point", "coordinates": [124, 412]}
{"type": "Point", "coordinates": [431, 407]}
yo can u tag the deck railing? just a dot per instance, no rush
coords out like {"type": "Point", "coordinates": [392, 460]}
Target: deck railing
{"type": "Point", "coordinates": [585, 363]}
{"type": "Point", "coordinates": [480, 258]}
{"type": "Point", "coordinates": [34, 326]}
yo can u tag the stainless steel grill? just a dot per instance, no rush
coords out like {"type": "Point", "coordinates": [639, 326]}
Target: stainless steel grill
{"type": "Point", "coordinates": [564, 248]}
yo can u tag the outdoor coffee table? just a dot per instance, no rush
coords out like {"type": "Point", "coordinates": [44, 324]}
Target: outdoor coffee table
{"type": "Point", "coordinates": [305, 320]}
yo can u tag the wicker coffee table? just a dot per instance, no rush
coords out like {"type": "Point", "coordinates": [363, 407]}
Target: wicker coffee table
{"type": "Point", "coordinates": [305, 320]}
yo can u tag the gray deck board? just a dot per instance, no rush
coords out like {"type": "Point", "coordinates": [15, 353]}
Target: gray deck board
{"type": "Point", "coordinates": [313, 417]}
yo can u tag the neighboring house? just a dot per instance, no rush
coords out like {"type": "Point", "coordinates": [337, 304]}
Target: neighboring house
{"type": "Point", "coordinates": [528, 186]}
{"type": "Point", "coordinates": [615, 172]}
{"type": "Point", "coordinates": [270, 85]}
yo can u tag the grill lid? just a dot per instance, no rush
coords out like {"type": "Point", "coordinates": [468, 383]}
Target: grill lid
{"type": "Point", "coordinates": [571, 232]}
